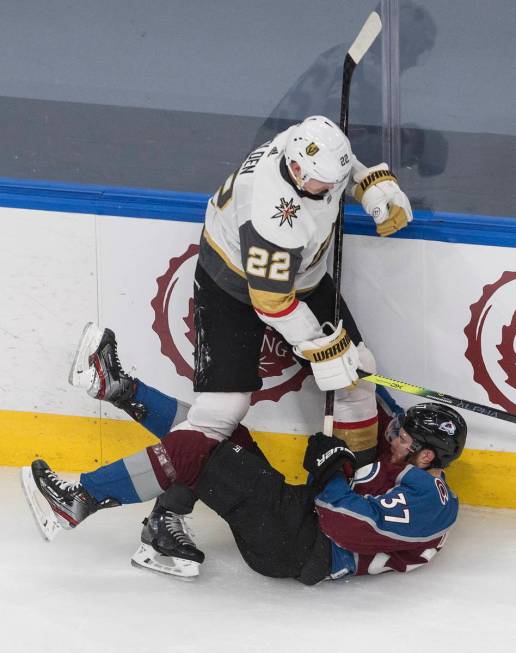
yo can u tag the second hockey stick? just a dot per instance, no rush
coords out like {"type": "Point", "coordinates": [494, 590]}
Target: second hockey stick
{"type": "Point", "coordinates": [418, 390]}
{"type": "Point", "coordinates": [366, 37]}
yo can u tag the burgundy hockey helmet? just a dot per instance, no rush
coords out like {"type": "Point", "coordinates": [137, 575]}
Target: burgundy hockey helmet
{"type": "Point", "coordinates": [437, 427]}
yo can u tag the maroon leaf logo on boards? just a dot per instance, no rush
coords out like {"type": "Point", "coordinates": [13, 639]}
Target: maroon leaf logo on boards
{"type": "Point", "coordinates": [174, 325]}
{"type": "Point", "coordinates": [491, 335]}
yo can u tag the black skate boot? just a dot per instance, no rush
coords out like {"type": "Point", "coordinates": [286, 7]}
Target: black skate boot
{"type": "Point", "coordinates": [70, 502]}
{"type": "Point", "coordinates": [97, 368]}
{"type": "Point", "coordinates": [166, 545]}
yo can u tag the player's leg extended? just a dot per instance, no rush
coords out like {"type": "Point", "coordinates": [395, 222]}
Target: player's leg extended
{"type": "Point", "coordinates": [355, 411]}
{"type": "Point", "coordinates": [140, 477]}
{"type": "Point", "coordinates": [96, 368]}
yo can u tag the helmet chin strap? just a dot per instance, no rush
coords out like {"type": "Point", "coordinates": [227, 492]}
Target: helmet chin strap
{"type": "Point", "coordinates": [300, 184]}
{"type": "Point", "coordinates": [300, 181]}
{"type": "Point", "coordinates": [414, 450]}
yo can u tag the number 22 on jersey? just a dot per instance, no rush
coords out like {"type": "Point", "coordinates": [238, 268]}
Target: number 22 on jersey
{"type": "Point", "coordinates": [261, 263]}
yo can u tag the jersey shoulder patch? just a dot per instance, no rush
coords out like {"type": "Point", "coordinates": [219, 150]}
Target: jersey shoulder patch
{"type": "Point", "coordinates": [427, 486]}
{"type": "Point", "coordinates": [281, 219]}
{"type": "Point", "coordinates": [277, 212]}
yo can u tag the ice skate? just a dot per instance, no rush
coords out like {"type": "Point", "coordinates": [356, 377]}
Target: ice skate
{"type": "Point", "coordinates": [46, 519]}
{"type": "Point", "coordinates": [70, 502]}
{"type": "Point", "coordinates": [167, 546]}
{"type": "Point", "coordinates": [96, 367]}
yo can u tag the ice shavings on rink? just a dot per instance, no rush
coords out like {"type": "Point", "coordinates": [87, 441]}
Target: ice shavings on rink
{"type": "Point", "coordinates": [80, 594]}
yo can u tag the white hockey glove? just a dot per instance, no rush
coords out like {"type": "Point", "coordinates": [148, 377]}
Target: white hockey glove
{"type": "Point", "coordinates": [381, 197]}
{"type": "Point", "coordinates": [334, 359]}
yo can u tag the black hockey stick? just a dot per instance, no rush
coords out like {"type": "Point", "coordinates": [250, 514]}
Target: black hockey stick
{"type": "Point", "coordinates": [418, 390]}
{"type": "Point", "coordinates": [370, 30]}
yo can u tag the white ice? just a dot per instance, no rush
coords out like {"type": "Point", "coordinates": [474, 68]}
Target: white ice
{"type": "Point", "coordinates": [80, 594]}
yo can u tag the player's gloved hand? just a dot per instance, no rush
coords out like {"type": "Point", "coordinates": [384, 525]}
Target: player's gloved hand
{"type": "Point", "coordinates": [334, 359]}
{"type": "Point", "coordinates": [325, 456]}
{"type": "Point", "coordinates": [381, 197]}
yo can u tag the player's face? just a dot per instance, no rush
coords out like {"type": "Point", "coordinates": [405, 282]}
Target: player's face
{"type": "Point", "coordinates": [313, 186]}
{"type": "Point", "coordinates": [401, 447]}
{"type": "Point", "coordinates": [317, 187]}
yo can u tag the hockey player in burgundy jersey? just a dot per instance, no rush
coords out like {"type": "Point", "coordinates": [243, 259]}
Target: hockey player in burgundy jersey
{"type": "Point", "coordinates": [393, 514]}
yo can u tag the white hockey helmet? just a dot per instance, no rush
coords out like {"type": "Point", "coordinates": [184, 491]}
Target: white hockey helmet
{"type": "Point", "coordinates": [321, 149]}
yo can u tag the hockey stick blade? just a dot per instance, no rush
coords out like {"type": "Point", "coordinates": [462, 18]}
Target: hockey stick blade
{"type": "Point", "coordinates": [45, 519]}
{"type": "Point", "coordinates": [365, 39]}
{"type": "Point", "coordinates": [409, 388]}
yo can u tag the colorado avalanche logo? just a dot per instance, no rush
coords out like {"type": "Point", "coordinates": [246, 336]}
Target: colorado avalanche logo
{"type": "Point", "coordinates": [491, 335]}
{"type": "Point", "coordinates": [442, 490]}
{"type": "Point", "coordinates": [447, 427]}
{"type": "Point", "coordinates": [174, 324]}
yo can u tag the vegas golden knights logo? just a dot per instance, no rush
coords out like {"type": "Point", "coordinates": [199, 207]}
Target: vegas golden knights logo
{"type": "Point", "coordinates": [312, 149]}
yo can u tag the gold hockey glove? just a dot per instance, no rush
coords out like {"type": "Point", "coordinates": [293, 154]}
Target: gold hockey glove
{"type": "Point", "coordinates": [334, 359]}
{"type": "Point", "coordinates": [381, 197]}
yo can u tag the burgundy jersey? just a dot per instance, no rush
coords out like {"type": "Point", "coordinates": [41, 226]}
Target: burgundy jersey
{"type": "Point", "coordinates": [388, 518]}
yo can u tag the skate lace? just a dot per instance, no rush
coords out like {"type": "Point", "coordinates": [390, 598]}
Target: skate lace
{"type": "Point", "coordinates": [61, 483]}
{"type": "Point", "coordinates": [177, 528]}
{"type": "Point", "coordinates": [115, 356]}
{"type": "Point", "coordinates": [122, 373]}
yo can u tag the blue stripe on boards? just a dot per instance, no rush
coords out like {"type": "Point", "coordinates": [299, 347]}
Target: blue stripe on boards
{"type": "Point", "coordinates": [100, 200]}
{"type": "Point", "coordinates": [189, 207]}
{"type": "Point", "coordinates": [493, 230]}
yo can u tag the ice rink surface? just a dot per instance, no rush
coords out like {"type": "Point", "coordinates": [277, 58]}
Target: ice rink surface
{"type": "Point", "coordinates": [80, 593]}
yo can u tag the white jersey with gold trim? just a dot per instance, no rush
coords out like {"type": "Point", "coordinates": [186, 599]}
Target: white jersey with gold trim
{"type": "Point", "coordinates": [265, 242]}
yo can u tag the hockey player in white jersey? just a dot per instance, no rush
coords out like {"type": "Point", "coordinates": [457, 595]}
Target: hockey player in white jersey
{"type": "Point", "coordinates": [263, 261]}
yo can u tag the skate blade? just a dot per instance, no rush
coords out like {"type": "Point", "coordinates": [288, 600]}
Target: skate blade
{"type": "Point", "coordinates": [81, 374]}
{"type": "Point", "coordinates": [44, 516]}
{"type": "Point", "coordinates": [148, 558]}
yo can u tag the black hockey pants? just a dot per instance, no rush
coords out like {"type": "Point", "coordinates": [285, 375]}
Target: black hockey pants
{"type": "Point", "coordinates": [274, 524]}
